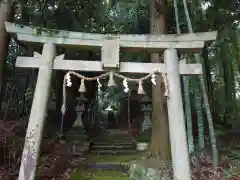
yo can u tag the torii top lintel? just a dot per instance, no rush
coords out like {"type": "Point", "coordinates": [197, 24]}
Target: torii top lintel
{"type": "Point", "coordinates": [184, 42]}
{"type": "Point", "coordinates": [110, 47]}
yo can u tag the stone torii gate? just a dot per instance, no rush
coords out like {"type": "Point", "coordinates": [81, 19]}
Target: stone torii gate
{"type": "Point", "coordinates": [110, 47]}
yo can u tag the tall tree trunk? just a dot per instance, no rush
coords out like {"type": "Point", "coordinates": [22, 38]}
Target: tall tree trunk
{"type": "Point", "coordinates": [199, 111]}
{"type": "Point", "coordinates": [5, 8]}
{"type": "Point", "coordinates": [188, 114]}
{"type": "Point", "coordinates": [228, 84]}
{"type": "Point", "coordinates": [207, 73]}
{"type": "Point", "coordinates": [160, 134]}
{"type": "Point", "coordinates": [238, 56]}
{"type": "Point", "coordinates": [5, 15]}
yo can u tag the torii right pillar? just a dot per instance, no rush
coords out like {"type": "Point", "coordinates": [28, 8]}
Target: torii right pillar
{"type": "Point", "coordinates": [177, 130]}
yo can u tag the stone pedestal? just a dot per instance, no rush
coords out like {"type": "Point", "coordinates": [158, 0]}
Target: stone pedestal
{"type": "Point", "coordinates": [79, 110]}
{"type": "Point", "coordinates": [78, 121]}
{"type": "Point", "coordinates": [147, 124]}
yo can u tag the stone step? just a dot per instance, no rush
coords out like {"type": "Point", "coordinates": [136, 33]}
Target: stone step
{"type": "Point", "coordinates": [112, 152]}
{"type": "Point", "coordinates": [113, 142]}
{"type": "Point", "coordinates": [75, 136]}
{"type": "Point", "coordinates": [76, 133]}
{"type": "Point", "coordinates": [114, 139]}
{"type": "Point", "coordinates": [113, 147]}
{"type": "Point", "coordinates": [123, 143]}
{"type": "Point", "coordinates": [114, 135]}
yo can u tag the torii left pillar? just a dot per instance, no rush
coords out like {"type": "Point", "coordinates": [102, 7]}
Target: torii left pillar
{"type": "Point", "coordinates": [36, 121]}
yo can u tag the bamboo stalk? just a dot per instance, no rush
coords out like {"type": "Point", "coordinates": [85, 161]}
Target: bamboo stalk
{"type": "Point", "coordinates": [205, 98]}
{"type": "Point", "coordinates": [187, 103]}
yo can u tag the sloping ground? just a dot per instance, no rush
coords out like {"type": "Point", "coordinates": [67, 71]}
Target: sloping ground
{"type": "Point", "coordinates": [57, 163]}
{"type": "Point", "coordinates": [55, 157]}
{"type": "Point", "coordinates": [201, 168]}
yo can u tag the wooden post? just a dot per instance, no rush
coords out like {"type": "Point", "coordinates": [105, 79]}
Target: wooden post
{"type": "Point", "coordinates": [180, 156]}
{"type": "Point", "coordinates": [36, 121]}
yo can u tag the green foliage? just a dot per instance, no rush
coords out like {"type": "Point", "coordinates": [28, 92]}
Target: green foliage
{"type": "Point", "coordinates": [111, 96]}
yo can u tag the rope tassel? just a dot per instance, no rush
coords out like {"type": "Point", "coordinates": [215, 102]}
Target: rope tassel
{"type": "Point", "coordinates": [99, 83]}
{"type": "Point", "coordinates": [68, 80]}
{"type": "Point", "coordinates": [111, 80]}
{"type": "Point", "coordinates": [153, 79]}
{"type": "Point", "coordinates": [125, 84]}
{"type": "Point", "coordinates": [140, 88]}
{"type": "Point", "coordinates": [82, 87]}
{"type": "Point", "coordinates": [165, 81]}
{"type": "Point", "coordinates": [63, 109]}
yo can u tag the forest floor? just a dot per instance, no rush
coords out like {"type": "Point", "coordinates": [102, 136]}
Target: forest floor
{"type": "Point", "coordinates": [57, 163]}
